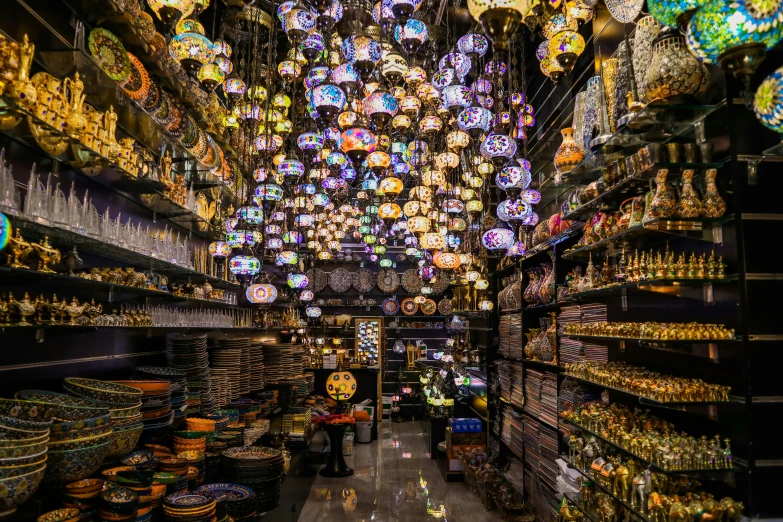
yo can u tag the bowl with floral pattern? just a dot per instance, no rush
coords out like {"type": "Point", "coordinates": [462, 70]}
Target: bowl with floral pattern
{"type": "Point", "coordinates": [8, 471]}
{"type": "Point", "coordinates": [116, 499]}
{"type": "Point", "coordinates": [15, 491]}
{"type": "Point", "coordinates": [76, 464]}
{"type": "Point", "coordinates": [125, 440]}
{"type": "Point", "coordinates": [61, 515]}
{"type": "Point", "coordinates": [17, 452]}
{"type": "Point", "coordinates": [65, 407]}
{"type": "Point", "coordinates": [104, 391]}
{"type": "Point", "coordinates": [81, 442]}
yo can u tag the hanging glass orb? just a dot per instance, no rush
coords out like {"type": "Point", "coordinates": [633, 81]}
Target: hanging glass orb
{"type": "Point", "coordinates": [316, 76]}
{"type": "Point", "coordinates": [268, 192]}
{"type": "Point", "coordinates": [457, 61]}
{"type": "Point", "coordinates": [312, 46]}
{"type": "Point", "coordinates": [333, 184]}
{"type": "Point", "coordinates": [498, 238]}
{"type": "Point", "coordinates": [393, 67]}
{"type": "Point", "coordinates": [297, 281]}
{"type": "Point", "coordinates": [357, 143]}
{"type": "Point", "coordinates": [389, 211]}
{"type": "Point", "coordinates": [432, 241]}
{"type": "Point", "coordinates": [446, 260]}
{"type": "Point", "coordinates": [363, 52]}
{"type": "Point", "coordinates": [380, 107]}
{"type": "Point", "coordinates": [517, 249]}
{"type": "Point", "coordinates": [443, 78]}
{"type": "Point", "coordinates": [313, 312]}
{"type": "Point", "coordinates": [320, 199]}
{"type": "Point", "coordinates": [346, 76]}
{"type": "Point", "coordinates": [513, 179]}
{"type": "Point", "coordinates": [513, 210]}
{"type": "Point", "coordinates": [192, 49]}
{"type": "Point", "coordinates": [304, 221]}
{"type": "Point", "coordinates": [565, 47]}
{"type": "Point", "coordinates": [411, 35]}
{"type": "Point", "coordinates": [330, 15]}
{"type": "Point", "coordinates": [456, 98]}
{"type": "Point", "coordinates": [291, 168]}
{"type": "Point", "coordinates": [415, 76]}
{"type": "Point", "coordinates": [383, 15]}
{"type": "Point", "coordinates": [498, 148]}
{"type": "Point", "coordinates": [219, 249]}
{"type": "Point", "coordinates": [171, 11]}
{"type": "Point", "coordinates": [286, 257]}
{"type": "Point", "coordinates": [274, 243]}
{"type": "Point", "coordinates": [768, 101]}
{"type": "Point", "coordinates": [289, 70]}
{"type": "Point", "coordinates": [251, 214]}
{"type": "Point", "coordinates": [401, 122]}
{"type": "Point", "coordinates": [261, 293]}
{"type": "Point", "coordinates": [328, 100]}
{"type": "Point", "coordinates": [430, 125]}
{"type": "Point", "coordinates": [531, 196]}
{"type": "Point", "coordinates": [244, 265]}
{"type": "Point", "coordinates": [475, 121]}
{"type": "Point", "coordinates": [306, 296]}
{"type": "Point", "coordinates": [310, 141]}
{"type": "Point", "coordinates": [210, 75]}
{"type": "Point", "coordinates": [403, 9]}
{"type": "Point", "coordinates": [473, 45]}
{"type": "Point", "coordinates": [299, 24]}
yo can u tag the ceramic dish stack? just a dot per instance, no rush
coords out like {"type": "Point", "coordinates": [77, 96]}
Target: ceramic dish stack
{"type": "Point", "coordinates": [124, 402]}
{"type": "Point", "coordinates": [24, 439]}
{"type": "Point", "coordinates": [157, 430]}
{"type": "Point", "coordinates": [189, 353]}
{"type": "Point", "coordinates": [190, 440]}
{"type": "Point", "coordinates": [83, 495]}
{"type": "Point", "coordinates": [272, 361]}
{"type": "Point", "coordinates": [195, 459]}
{"type": "Point", "coordinates": [228, 359]}
{"type": "Point", "coordinates": [243, 345]}
{"type": "Point", "coordinates": [235, 500]}
{"type": "Point", "coordinates": [119, 504]}
{"type": "Point", "coordinates": [172, 471]}
{"type": "Point", "coordinates": [256, 367]}
{"type": "Point", "coordinates": [259, 468]}
{"type": "Point", "coordinates": [221, 385]}
{"type": "Point", "coordinates": [155, 400]}
{"type": "Point", "coordinates": [80, 434]}
{"type": "Point", "coordinates": [184, 505]}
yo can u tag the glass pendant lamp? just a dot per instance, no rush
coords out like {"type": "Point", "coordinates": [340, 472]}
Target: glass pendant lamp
{"type": "Point", "coordinates": [171, 11]}
{"type": "Point", "coordinates": [499, 18]}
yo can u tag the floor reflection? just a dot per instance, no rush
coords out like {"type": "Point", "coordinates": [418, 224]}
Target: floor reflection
{"type": "Point", "coordinates": [394, 481]}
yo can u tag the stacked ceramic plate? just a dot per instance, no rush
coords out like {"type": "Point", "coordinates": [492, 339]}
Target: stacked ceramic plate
{"type": "Point", "coordinates": [228, 359]}
{"type": "Point", "coordinates": [235, 500]}
{"type": "Point", "coordinates": [124, 402]}
{"type": "Point", "coordinates": [256, 367]}
{"type": "Point", "coordinates": [259, 468]}
{"type": "Point", "coordinates": [243, 345]}
{"type": "Point", "coordinates": [118, 504]}
{"type": "Point", "coordinates": [155, 401]}
{"type": "Point", "coordinates": [184, 505]}
{"type": "Point", "coordinates": [221, 385]}
{"type": "Point", "coordinates": [24, 439]}
{"type": "Point", "coordinates": [176, 473]}
{"type": "Point", "coordinates": [189, 353]}
{"type": "Point", "coordinates": [83, 495]}
{"type": "Point", "coordinates": [272, 361]}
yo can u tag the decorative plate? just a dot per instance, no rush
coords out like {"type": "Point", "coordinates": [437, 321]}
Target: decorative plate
{"type": "Point", "coordinates": [138, 83]}
{"type": "Point", "coordinates": [388, 281]}
{"type": "Point", "coordinates": [151, 102]}
{"type": "Point", "coordinates": [231, 492]}
{"type": "Point", "coordinates": [445, 306]}
{"type": "Point", "coordinates": [186, 499]}
{"type": "Point", "coordinates": [390, 306]}
{"type": "Point", "coordinates": [440, 284]}
{"type": "Point", "coordinates": [364, 280]}
{"type": "Point", "coordinates": [340, 280]}
{"type": "Point", "coordinates": [411, 281]}
{"type": "Point", "coordinates": [110, 54]}
{"type": "Point", "coordinates": [625, 11]}
{"type": "Point", "coordinates": [409, 306]}
{"type": "Point", "coordinates": [317, 279]}
{"type": "Point", "coordinates": [429, 307]}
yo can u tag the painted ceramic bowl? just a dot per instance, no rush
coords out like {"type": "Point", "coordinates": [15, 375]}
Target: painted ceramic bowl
{"type": "Point", "coordinates": [125, 422]}
{"type": "Point", "coordinates": [136, 478]}
{"type": "Point", "coordinates": [125, 440]}
{"type": "Point", "coordinates": [81, 442]}
{"type": "Point", "coordinates": [82, 433]}
{"type": "Point", "coordinates": [76, 464]}
{"type": "Point", "coordinates": [65, 407]}
{"type": "Point", "coordinates": [60, 515]}
{"type": "Point", "coordinates": [84, 486]}
{"type": "Point", "coordinates": [141, 459]}
{"type": "Point", "coordinates": [22, 469]}
{"type": "Point", "coordinates": [23, 442]}
{"type": "Point", "coordinates": [10, 434]}
{"type": "Point", "coordinates": [111, 473]}
{"type": "Point", "coordinates": [17, 452]}
{"type": "Point", "coordinates": [154, 387]}
{"type": "Point", "coordinates": [15, 491]}
{"type": "Point", "coordinates": [105, 391]}
{"type": "Point", "coordinates": [165, 477]}
{"type": "Point", "coordinates": [125, 411]}
{"type": "Point", "coordinates": [22, 461]}
{"type": "Point", "coordinates": [119, 500]}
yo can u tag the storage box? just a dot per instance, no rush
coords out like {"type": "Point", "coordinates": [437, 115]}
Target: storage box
{"type": "Point", "coordinates": [469, 425]}
{"type": "Point", "coordinates": [465, 439]}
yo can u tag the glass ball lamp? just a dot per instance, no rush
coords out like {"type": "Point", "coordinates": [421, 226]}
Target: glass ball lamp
{"type": "Point", "coordinates": [565, 47]}
{"type": "Point", "coordinates": [261, 293]}
{"type": "Point", "coordinates": [191, 48]}
{"type": "Point", "coordinates": [299, 23]}
{"type": "Point", "coordinates": [499, 18]}
{"type": "Point", "coordinates": [411, 34]}
{"type": "Point", "coordinates": [363, 52]}
{"type": "Point", "coordinates": [171, 11]}
{"type": "Point", "coordinates": [380, 107]}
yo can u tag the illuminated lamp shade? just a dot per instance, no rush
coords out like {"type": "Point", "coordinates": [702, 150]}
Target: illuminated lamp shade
{"type": "Point", "coordinates": [292, 237]}
{"type": "Point", "coordinates": [267, 144]}
{"type": "Point", "coordinates": [171, 11]}
{"type": "Point", "coordinates": [458, 61]}
{"type": "Point", "coordinates": [357, 143]}
{"type": "Point", "coordinates": [443, 78]}
{"type": "Point", "coordinates": [412, 208]}
{"type": "Point", "coordinates": [482, 284]}
{"type": "Point", "coordinates": [430, 125]}
{"type": "Point", "coordinates": [393, 67]}
{"type": "Point", "coordinates": [320, 199]}
{"type": "Point", "coordinates": [332, 14]}
{"type": "Point", "coordinates": [286, 257]}
{"type": "Point", "coordinates": [565, 47]}
{"type": "Point", "coordinates": [513, 179]}
{"type": "Point", "coordinates": [347, 119]}
{"type": "Point", "coordinates": [411, 34]}
{"type": "Point", "coordinates": [432, 177]}
{"type": "Point", "coordinates": [401, 121]}
{"type": "Point", "coordinates": [379, 250]}
{"type": "Point", "coordinates": [289, 70]}
{"type": "Point", "coordinates": [446, 260]}
{"type": "Point", "coordinates": [370, 239]}
{"type": "Point", "coordinates": [230, 121]}
{"type": "Point", "coordinates": [432, 241]}
{"type": "Point", "coordinates": [577, 10]}
{"type": "Point", "coordinates": [313, 312]}
{"type": "Point", "coordinates": [306, 296]}
{"type": "Point", "coordinates": [513, 210]}
{"type": "Point", "coordinates": [316, 76]}
{"type": "Point", "coordinates": [304, 221]}
{"type": "Point", "coordinates": [310, 141]}
{"type": "Point", "coordinates": [210, 75]}
{"type": "Point", "coordinates": [251, 214]}
{"type": "Point", "coordinates": [218, 249]}
{"type": "Point", "coordinates": [453, 206]}
{"type": "Point", "coordinates": [457, 140]}
{"type": "Point", "coordinates": [312, 46]}
{"type": "Point", "coordinates": [475, 121]}
{"type": "Point", "coordinates": [391, 186]}
{"type": "Point", "coordinates": [299, 23]}
{"type": "Point", "coordinates": [234, 86]}
{"type": "Point", "coordinates": [389, 211]}
{"type": "Point", "coordinates": [517, 249]}
{"type": "Point", "coordinates": [268, 192]}
{"type": "Point", "coordinates": [244, 265]}
{"type": "Point", "coordinates": [473, 45]}
{"type": "Point", "coordinates": [328, 100]}
{"type": "Point", "coordinates": [333, 183]}
{"type": "Point", "coordinates": [403, 9]}
{"type": "Point", "coordinates": [551, 68]}
{"type": "Point", "coordinates": [498, 238]}
{"type": "Point", "coordinates": [297, 281]}
{"type": "Point", "coordinates": [346, 76]}
{"type": "Point", "coordinates": [531, 196]}
{"type": "Point", "coordinates": [415, 76]}
{"type": "Point", "coordinates": [225, 64]}
{"type": "Point", "coordinates": [457, 224]}
{"type": "Point", "coordinates": [385, 262]}
{"type": "Point", "coordinates": [383, 15]}
{"type": "Point", "coordinates": [261, 294]}
{"type": "Point", "coordinates": [498, 148]}
{"type": "Point", "coordinates": [768, 101]}
{"type": "Point", "coordinates": [447, 160]}
{"type": "Point", "coordinates": [192, 50]}
{"type": "Point", "coordinates": [274, 243]}
{"type": "Point", "coordinates": [348, 174]}
{"type": "Point", "coordinates": [363, 52]}
{"type": "Point", "coordinates": [471, 276]}
{"type": "Point", "coordinates": [456, 98]}
{"type": "Point", "coordinates": [380, 107]}
{"type": "Point", "coordinates": [485, 305]}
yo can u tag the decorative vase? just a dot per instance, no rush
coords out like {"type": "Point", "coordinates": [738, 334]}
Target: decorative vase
{"type": "Point", "coordinates": [690, 204]}
{"type": "Point", "coordinates": [714, 206]}
{"type": "Point", "coordinates": [622, 84]}
{"type": "Point", "coordinates": [673, 70]}
{"type": "Point", "coordinates": [610, 81]}
{"type": "Point", "coordinates": [547, 290]}
{"type": "Point", "coordinates": [663, 204]}
{"type": "Point", "coordinates": [546, 351]}
{"type": "Point", "coordinates": [578, 123]}
{"type": "Point", "coordinates": [529, 294]}
{"type": "Point", "coordinates": [646, 31]}
{"type": "Point", "coordinates": [569, 154]}
{"type": "Point", "coordinates": [592, 104]}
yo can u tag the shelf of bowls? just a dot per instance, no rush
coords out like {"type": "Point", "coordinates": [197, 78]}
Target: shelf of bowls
{"type": "Point", "coordinates": [92, 443]}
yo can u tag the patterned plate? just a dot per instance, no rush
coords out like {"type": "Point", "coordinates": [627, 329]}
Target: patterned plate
{"type": "Point", "coordinates": [364, 280]}
{"type": "Point", "coordinates": [138, 83]}
{"type": "Point", "coordinates": [110, 54]}
{"type": "Point", "coordinates": [440, 284]}
{"type": "Point", "coordinates": [340, 280]}
{"type": "Point", "coordinates": [390, 306]}
{"type": "Point", "coordinates": [317, 279]}
{"type": "Point", "coordinates": [409, 306]}
{"type": "Point", "coordinates": [411, 281]}
{"type": "Point", "coordinates": [625, 11]}
{"type": "Point", "coordinates": [445, 306]}
{"type": "Point", "coordinates": [429, 307]}
{"type": "Point", "coordinates": [388, 281]}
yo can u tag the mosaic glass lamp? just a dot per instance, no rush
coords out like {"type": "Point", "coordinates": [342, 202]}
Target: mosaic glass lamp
{"type": "Point", "coordinates": [393, 67]}
{"type": "Point", "coordinates": [475, 121]}
{"type": "Point", "coordinates": [244, 265]}
{"type": "Point", "coordinates": [299, 23]}
{"type": "Point", "coordinates": [498, 148]}
{"type": "Point", "coordinates": [261, 294]}
{"type": "Point", "coordinates": [210, 75]}
{"type": "Point", "coordinates": [411, 35]}
{"type": "Point", "coordinates": [403, 9]}
{"type": "Point", "coordinates": [171, 11]}
{"type": "Point", "coordinates": [498, 238]}
{"type": "Point", "coordinates": [357, 143]}
{"type": "Point", "coordinates": [499, 18]}
{"type": "Point", "coordinates": [192, 50]}
{"type": "Point", "coordinates": [674, 13]}
{"type": "Point", "coordinates": [565, 47]}
{"type": "Point", "coordinates": [768, 101]}
{"type": "Point", "coordinates": [297, 281]}
{"type": "Point", "coordinates": [328, 100]}
{"type": "Point", "coordinates": [363, 52]}
{"type": "Point", "coordinates": [473, 45]}
{"type": "Point", "coordinates": [380, 107]}
{"type": "Point", "coordinates": [513, 179]}
{"type": "Point", "coordinates": [219, 249]}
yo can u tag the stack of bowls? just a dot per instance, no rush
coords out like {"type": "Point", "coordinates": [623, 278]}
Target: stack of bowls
{"type": "Point", "coordinates": [190, 440]}
{"type": "Point", "coordinates": [200, 424]}
{"type": "Point", "coordinates": [188, 506]}
{"type": "Point", "coordinates": [80, 435]}
{"type": "Point", "coordinates": [83, 495]}
{"type": "Point", "coordinates": [118, 504]}
{"type": "Point", "coordinates": [24, 439]}
{"type": "Point", "coordinates": [124, 402]}
{"type": "Point", "coordinates": [235, 500]}
{"type": "Point", "coordinates": [156, 412]}
{"type": "Point", "coordinates": [178, 389]}
{"type": "Point", "coordinates": [143, 459]}
{"type": "Point", "coordinates": [176, 470]}
{"type": "Point", "coordinates": [61, 515]}
{"type": "Point", "coordinates": [197, 459]}
{"type": "Point", "coordinates": [259, 468]}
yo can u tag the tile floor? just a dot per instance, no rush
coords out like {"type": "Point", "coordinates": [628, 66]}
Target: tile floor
{"type": "Point", "coordinates": [387, 485]}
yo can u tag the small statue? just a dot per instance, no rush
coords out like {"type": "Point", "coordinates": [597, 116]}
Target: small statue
{"type": "Point", "coordinates": [47, 255]}
{"type": "Point", "coordinates": [72, 261]}
{"type": "Point", "coordinates": [75, 310]}
{"type": "Point", "coordinates": [20, 249]}
{"type": "Point", "coordinates": [25, 307]}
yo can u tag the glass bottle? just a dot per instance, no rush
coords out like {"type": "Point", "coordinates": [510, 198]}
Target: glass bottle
{"type": "Point", "coordinates": [714, 206]}
{"type": "Point", "coordinates": [690, 204]}
{"type": "Point", "coordinates": [569, 154]}
{"type": "Point", "coordinates": [529, 294]}
{"type": "Point", "coordinates": [663, 204]}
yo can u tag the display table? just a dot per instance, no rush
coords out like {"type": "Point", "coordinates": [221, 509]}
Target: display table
{"type": "Point", "coordinates": [336, 467]}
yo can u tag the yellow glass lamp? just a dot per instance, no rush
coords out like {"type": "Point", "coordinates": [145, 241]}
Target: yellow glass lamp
{"type": "Point", "coordinates": [341, 386]}
{"type": "Point", "coordinates": [565, 47]}
{"type": "Point", "coordinates": [499, 18]}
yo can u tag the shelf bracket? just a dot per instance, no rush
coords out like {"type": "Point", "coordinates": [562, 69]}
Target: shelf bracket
{"type": "Point", "coordinates": [712, 412]}
{"type": "Point", "coordinates": [111, 295]}
{"type": "Point", "coordinates": [154, 216]}
{"type": "Point", "coordinates": [622, 346]}
{"type": "Point", "coordinates": [39, 335]}
{"type": "Point", "coordinates": [713, 351]}
{"type": "Point", "coordinates": [709, 295]}
{"type": "Point", "coordinates": [753, 172]}
{"type": "Point", "coordinates": [624, 299]}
